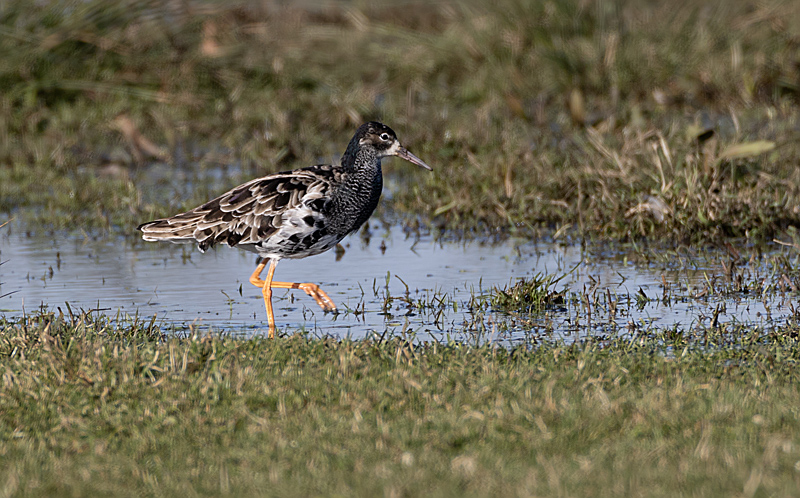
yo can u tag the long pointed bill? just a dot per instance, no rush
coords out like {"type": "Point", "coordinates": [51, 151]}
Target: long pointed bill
{"type": "Point", "coordinates": [403, 153]}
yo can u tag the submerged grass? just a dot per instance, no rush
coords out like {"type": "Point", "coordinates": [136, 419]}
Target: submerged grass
{"type": "Point", "coordinates": [615, 119]}
{"type": "Point", "coordinates": [90, 407]}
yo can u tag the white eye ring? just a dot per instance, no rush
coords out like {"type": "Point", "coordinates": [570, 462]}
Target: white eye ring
{"type": "Point", "coordinates": [385, 137]}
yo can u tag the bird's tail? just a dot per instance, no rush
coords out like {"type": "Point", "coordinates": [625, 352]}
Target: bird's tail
{"type": "Point", "coordinates": [179, 228]}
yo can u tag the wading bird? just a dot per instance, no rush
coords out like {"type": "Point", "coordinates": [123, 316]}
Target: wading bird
{"type": "Point", "coordinates": [292, 214]}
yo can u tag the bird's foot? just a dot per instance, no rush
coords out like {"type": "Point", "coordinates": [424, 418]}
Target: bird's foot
{"type": "Point", "coordinates": [319, 295]}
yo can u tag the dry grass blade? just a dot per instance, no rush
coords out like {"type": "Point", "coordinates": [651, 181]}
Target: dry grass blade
{"type": "Point", "coordinates": [4, 262]}
{"type": "Point", "coordinates": [652, 205]}
{"type": "Point", "coordinates": [748, 149]}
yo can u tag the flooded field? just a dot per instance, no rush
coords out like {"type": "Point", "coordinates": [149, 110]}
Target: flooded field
{"type": "Point", "coordinates": [391, 283]}
{"type": "Point", "coordinates": [586, 296]}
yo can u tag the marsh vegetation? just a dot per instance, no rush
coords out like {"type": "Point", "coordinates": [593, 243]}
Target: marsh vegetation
{"type": "Point", "coordinates": [658, 136]}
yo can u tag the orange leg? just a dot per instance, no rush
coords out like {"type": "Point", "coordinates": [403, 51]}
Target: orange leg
{"type": "Point", "coordinates": [255, 277]}
{"type": "Point", "coordinates": [313, 290]}
{"type": "Point", "coordinates": [266, 291]}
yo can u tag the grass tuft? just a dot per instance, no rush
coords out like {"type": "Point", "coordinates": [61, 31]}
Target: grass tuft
{"type": "Point", "coordinates": [528, 295]}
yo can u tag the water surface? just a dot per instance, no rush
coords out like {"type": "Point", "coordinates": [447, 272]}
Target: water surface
{"type": "Point", "coordinates": [390, 283]}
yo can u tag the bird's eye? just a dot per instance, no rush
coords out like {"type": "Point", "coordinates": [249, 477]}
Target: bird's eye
{"type": "Point", "coordinates": [385, 137]}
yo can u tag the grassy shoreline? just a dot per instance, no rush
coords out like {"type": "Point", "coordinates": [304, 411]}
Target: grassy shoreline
{"type": "Point", "coordinates": [91, 408]}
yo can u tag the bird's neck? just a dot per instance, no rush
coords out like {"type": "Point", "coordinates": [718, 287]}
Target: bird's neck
{"type": "Point", "coordinates": [359, 192]}
{"type": "Point", "coordinates": [356, 157]}
{"type": "Point", "coordinates": [363, 176]}
{"type": "Point", "coordinates": [362, 167]}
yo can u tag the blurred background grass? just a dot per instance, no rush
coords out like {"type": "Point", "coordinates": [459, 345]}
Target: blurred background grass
{"type": "Point", "coordinates": [613, 118]}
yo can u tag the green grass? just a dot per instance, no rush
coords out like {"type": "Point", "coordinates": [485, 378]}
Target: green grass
{"type": "Point", "coordinates": [91, 408]}
{"type": "Point", "coordinates": [528, 295]}
{"type": "Point", "coordinates": [541, 117]}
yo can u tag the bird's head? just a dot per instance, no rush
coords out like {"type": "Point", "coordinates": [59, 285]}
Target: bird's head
{"type": "Point", "coordinates": [383, 141]}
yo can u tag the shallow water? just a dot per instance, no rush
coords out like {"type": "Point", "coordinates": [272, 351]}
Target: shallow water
{"type": "Point", "coordinates": [187, 289]}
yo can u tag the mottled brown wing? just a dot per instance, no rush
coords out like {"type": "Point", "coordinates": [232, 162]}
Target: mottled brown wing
{"type": "Point", "coordinates": [249, 213]}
